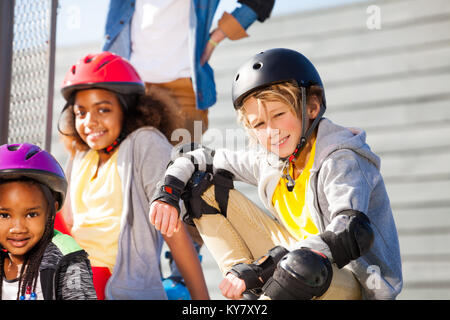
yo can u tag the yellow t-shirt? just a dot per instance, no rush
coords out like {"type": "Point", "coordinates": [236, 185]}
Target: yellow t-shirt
{"type": "Point", "coordinates": [291, 207]}
{"type": "Point", "coordinates": [97, 207]}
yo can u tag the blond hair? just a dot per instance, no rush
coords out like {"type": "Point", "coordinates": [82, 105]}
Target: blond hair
{"type": "Point", "coordinates": [286, 92]}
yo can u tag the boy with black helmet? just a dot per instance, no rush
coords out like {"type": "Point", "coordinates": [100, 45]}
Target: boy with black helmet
{"type": "Point", "coordinates": [333, 224]}
{"type": "Point", "coordinates": [278, 66]}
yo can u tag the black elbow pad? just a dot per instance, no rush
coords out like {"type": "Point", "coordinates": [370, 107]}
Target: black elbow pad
{"type": "Point", "coordinates": [352, 242]}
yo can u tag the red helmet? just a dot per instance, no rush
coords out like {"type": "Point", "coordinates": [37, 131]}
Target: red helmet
{"type": "Point", "coordinates": [103, 70]}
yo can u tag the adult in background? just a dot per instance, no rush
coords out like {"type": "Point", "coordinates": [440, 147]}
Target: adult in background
{"type": "Point", "coordinates": [169, 42]}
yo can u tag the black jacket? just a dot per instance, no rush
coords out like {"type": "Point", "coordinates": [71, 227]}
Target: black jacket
{"type": "Point", "coordinates": [65, 271]}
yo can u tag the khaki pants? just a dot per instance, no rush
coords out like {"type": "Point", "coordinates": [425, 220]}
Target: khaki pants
{"type": "Point", "coordinates": [247, 233]}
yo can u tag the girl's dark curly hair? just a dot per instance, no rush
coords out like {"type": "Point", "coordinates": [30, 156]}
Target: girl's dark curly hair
{"type": "Point", "coordinates": [157, 110]}
{"type": "Point", "coordinates": [30, 268]}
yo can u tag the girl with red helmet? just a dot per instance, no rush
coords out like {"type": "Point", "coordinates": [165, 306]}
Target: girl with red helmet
{"type": "Point", "coordinates": [118, 139]}
{"type": "Point", "coordinates": [32, 188]}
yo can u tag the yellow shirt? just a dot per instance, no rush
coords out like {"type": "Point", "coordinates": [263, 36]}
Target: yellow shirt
{"type": "Point", "coordinates": [291, 207]}
{"type": "Point", "coordinates": [97, 207]}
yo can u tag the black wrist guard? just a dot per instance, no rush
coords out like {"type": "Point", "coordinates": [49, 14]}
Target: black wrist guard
{"type": "Point", "coordinates": [169, 191]}
{"type": "Point", "coordinates": [258, 272]}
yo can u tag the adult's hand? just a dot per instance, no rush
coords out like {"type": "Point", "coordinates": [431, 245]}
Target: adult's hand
{"type": "Point", "coordinates": [215, 38]}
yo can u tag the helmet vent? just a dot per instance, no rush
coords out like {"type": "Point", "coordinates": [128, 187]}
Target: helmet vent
{"type": "Point", "coordinates": [102, 65]}
{"type": "Point", "coordinates": [237, 77]}
{"type": "Point", "coordinates": [14, 147]}
{"type": "Point", "coordinates": [88, 58]}
{"type": "Point", "coordinates": [257, 65]}
{"type": "Point", "coordinates": [73, 69]}
{"type": "Point", "coordinates": [31, 153]}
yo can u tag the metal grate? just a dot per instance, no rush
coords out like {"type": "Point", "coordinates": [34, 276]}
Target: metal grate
{"type": "Point", "coordinates": [32, 72]}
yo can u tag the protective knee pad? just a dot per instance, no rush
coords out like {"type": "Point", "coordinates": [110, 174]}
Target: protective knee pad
{"type": "Point", "coordinates": [353, 242]}
{"type": "Point", "coordinates": [300, 275]}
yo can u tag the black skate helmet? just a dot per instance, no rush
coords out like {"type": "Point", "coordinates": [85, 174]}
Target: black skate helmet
{"type": "Point", "coordinates": [276, 66]}
{"type": "Point", "coordinates": [271, 67]}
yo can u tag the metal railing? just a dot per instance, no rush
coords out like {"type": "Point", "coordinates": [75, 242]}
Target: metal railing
{"type": "Point", "coordinates": [27, 55]}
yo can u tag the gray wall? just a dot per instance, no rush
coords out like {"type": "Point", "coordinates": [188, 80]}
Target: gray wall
{"type": "Point", "coordinates": [393, 82]}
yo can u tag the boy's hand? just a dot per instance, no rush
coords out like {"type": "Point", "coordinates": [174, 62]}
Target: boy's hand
{"type": "Point", "coordinates": [164, 208]}
{"type": "Point", "coordinates": [232, 287]}
{"type": "Point", "coordinates": [164, 217]}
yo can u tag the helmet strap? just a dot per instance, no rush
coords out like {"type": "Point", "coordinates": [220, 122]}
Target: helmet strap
{"type": "Point", "coordinates": [110, 149]}
{"type": "Point", "coordinates": [124, 105]}
{"type": "Point", "coordinates": [306, 133]}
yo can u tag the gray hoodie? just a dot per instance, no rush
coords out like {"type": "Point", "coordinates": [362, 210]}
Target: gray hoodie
{"type": "Point", "coordinates": [345, 175]}
{"type": "Point", "coordinates": [141, 162]}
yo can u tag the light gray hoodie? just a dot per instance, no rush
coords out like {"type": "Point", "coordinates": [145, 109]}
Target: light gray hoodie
{"type": "Point", "coordinates": [345, 175]}
{"type": "Point", "coordinates": [142, 159]}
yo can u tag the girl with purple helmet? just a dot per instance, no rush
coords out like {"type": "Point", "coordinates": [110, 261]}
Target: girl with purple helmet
{"type": "Point", "coordinates": [32, 189]}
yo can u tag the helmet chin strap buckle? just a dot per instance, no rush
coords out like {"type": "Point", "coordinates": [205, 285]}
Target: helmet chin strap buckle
{"type": "Point", "coordinates": [290, 184]}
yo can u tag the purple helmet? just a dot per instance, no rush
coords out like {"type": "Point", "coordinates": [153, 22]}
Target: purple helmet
{"type": "Point", "coordinates": [29, 161]}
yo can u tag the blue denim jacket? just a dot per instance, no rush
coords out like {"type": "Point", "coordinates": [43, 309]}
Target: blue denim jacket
{"type": "Point", "coordinates": [118, 39]}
